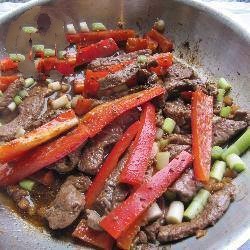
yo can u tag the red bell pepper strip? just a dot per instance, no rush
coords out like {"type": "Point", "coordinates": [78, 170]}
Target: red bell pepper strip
{"type": "Point", "coordinates": [165, 44]}
{"type": "Point", "coordinates": [152, 44]}
{"type": "Point", "coordinates": [123, 216]}
{"type": "Point", "coordinates": [45, 64]}
{"type": "Point", "coordinates": [91, 124]}
{"type": "Point", "coordinates": [45, 177]}
{"type": "Point", "coordinates": [101, 49]}
{"type": "Point", "coordinates": [78, 86]}
{"type": "Point", "coordinates": [95, 36]}
{"type": "Point", "coordinates": [66, 66]}
{"type": "Point", "coordinates": [7, 64]}
{"type": "Point", "coordinates": [164, 60]}
{"type": "Point", "coordinates": [110, 163]}
{"type": "Point", "coordinates": [138, 159]}
{"type": "Point", "coordinates": [135, 44]}
{"type": "Point", "coordinates": [5, 81]}
{"type": "Point", "coordinates": [202, 116]}
{"type": "Point", "coordinates": [83, 106]}
{"type": "Point", "coordinates": [98, 239]}
{"type": "Point", "coordinates": [12, 149]}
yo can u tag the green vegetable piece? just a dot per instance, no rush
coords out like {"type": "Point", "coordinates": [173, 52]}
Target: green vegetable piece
{"type": "Point", "coordinates": [142, 59]}
{"type": "Point", "coordinates": [163, 143]}
{"type": "Point", "coordinates": [168, 125]}
{"type": "Point", "coordinates": [220, 95]}
{"type": "Point", "coordinates": [27, 184]}
{"type": "Point", "coordinates": [17, 57]}
{"type": "Point", "coordinates": [218, 170]}
{"type": "Point", "coordinates": [23, 93]}
{"type": "Point", "coordinates": [1, 93]}
{"type": "Point", "coordinates": [216, 152]}
{"type": "Point", "coordinates": [29, 29]}
{"type": "Point", "coordinates": [224, 84]}
{"type": "Point", "coordinates": [162, 160]}
{"type": "Point", "coordinates": [225, 111]}
{"type": "Point", "coordinates": [238, 147]}
{"type": "Point", "coordinates": [49, 52]}
{"type": "Point", "coordinates": [235, 162]}
{"type": "Point", "coordinates": [38, 48]}
{"type": "Point", "coordinates": [197, 204]}
{"type": "Point", "coordinates": [28, 82]}
{"type": "Point", "coordinates": [98, 27]}
{"type": "Point", "coordinates": [17, 99]}
{"type": "Point", "coordinates": [62, 54]}
{"type": "Point", "coordinates": [12, 106]}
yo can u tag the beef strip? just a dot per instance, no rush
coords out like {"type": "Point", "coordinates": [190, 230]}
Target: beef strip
{"type": "Point", "coordinates": [29, 111]}
{"type": "Point", "coordinates": [217, 205]}
{"type": "Point", "coordinates": [180, 139]}
{"type": "Point", "coordinates": [242, 115]}
{"type": "Point", "coordinates": [93, 219]}
{"type": "Point", "coordinates": [225, 129]}
{"type": "Point", "coordinates": [175, 149]}
{"type": "Point", "coordinates": [180, 71]}
{"type": "Point", "coordinates": [93, 154]}
{"type": "Point", "coordinates": [10, 93]}
{"type": "Point", "coordinates": [186, 186]}
{"type": "Point", "coordinates": [68, 163]}
{"type": "Point", "coordinates": [69, 202]}
{"type": "Point", "coordinates": [179, 112]}
{"type": "Point", "coordinates": [113, 193]}
{"type": "Point", "coordinates": [101, 63]}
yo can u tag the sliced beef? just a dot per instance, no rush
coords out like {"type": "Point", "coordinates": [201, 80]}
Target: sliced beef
{"type": "Point", "coordinates": [175, 149]}
{"type": "Point", "coordinates": [186, 186]}
{"type": "Point", "coordinates": [68, 163]}
{"type": "Point", "coordinates": [217, 205]}
{"type": "Point", "coordinates": [242, 115]}
{"type": "Point", "coordinates": [69, 202]}
{"type": "Point", "coordinates": [152, 230]}
{"type": "Point", "coordinates": [180, 71]}
{"type": "Point", "coordinates": [101, 63]}
{"type": "Point", "coordinates": [180, 139]}
{"type": "Point", "coordinates": [29, 111]}
{"type": "Point", "coordinates": [179, 112]}
{"type": "Point", "coordinates": [225, 129]}
{"type": "Point", "coordinates": [94, 153]}
{"type": "Point", "coordinates": [113, 193]}
{"type": "Point", "coordinates": [93, 219]}
{"type": "Point", "coordinates": [10, 93]}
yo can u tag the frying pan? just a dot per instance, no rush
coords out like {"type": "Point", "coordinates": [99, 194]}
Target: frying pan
{"type": "Point", "coordinates": [203, 38]}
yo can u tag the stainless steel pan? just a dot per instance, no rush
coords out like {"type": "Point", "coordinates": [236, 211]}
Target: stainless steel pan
{"type": "Point", "coordinates": [208, 41]}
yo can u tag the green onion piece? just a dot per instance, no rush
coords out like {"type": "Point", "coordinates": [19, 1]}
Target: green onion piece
{"type": "Point", "coordinates": [62, 54]}
{"type": "Point", "coordinates": [38, 48]}
{"type": "Point", "coordinates": [224, 84]}
{"type": "Point", "coordinates": [162, 160]}
{"type": "Point", "coordinates": [1, 93]}
{"type": "Point", "coordinates": [216, 152]}
{"type": "Point", "coordinates": [17, 57]}
{"type": "Point", "coordinates": [28, 82]}
{"type": "Point", "coordinates": [29, 29]}
{"type": "Point", "coordinates": [169, 195]}
{"type": "Point", "coordinates": [49, 52]}
{"type": "Point", "coordinates": [197, 204]}
{"type": "Point", "coordinates": [27, 184]}
{"type": "Point", "coordinates": [220, 95]}
{"type": "Point", "coordinates": [240, 146]}
{"type": "Point", "coordinates": [17, 99]}
{"type": "Point", "coordinates": [235, 162]}
{"type": "Point", "coordinates": [49, 80]}
{"type": "Point", "coordinates": [84, 27]}
{"type": "Point", "coordinates": [168, 125]}
{"type": "Point", "coordinates": [225, 111]}
{"type": "Point", "coordinates": [23, 93]}
{"type": "Point", "coordinates": [98, 27]}
{"type": "Point", "coordinates": [12, 106]}
{"type": "Point", "coordinates": [175, 212]}
{"type": "Point", "coordinates": [0, 124]}
{"type": "Point", "coordinates": [142, 59]}
{"type": "Point", "coordinates": [218, 170]}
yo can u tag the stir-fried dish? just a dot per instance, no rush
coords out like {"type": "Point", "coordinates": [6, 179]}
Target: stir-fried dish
{"type": "Point", "coordinates": [126, 147]}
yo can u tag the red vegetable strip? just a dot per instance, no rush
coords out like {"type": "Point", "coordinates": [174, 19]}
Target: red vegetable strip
{"type": "Point", "coordinates": [12, 149]}
{"type": "Point", "coordinates": [78, 86]}
{"type": "Point", "coordinates": [202, 116]}
{"type": "Point", "coordinates": [101, 49]}
{"type": "Point", "coordinates": [5, 81]}
{"type": "Point", "coordinates": [152, 44]}
{"type": "Point", "coordinates": [96, 238]}
{"type": "Point", "coordinates": [134, 44]}
{"type": "Point", "coordinates": [7, 64]}
{"type": "Point", "coordinates": [92, 123]}
{"type": "Point", "coordinates": [95, 36]}
{"type": "Point", "coordinates": [123, 216]}
{"type": "Point", "coordinates": [110, 163]}
{"type": "Point", "coordinates": [165, 44]}
{"type": "Point", "coordinates": [83, 106]}
{"type": "Point", "coordinates": [164, 60]}
{"type": "Point", "coordinates": [137, 163]}
{"type": "Point", "coordinates": [103, 114]}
